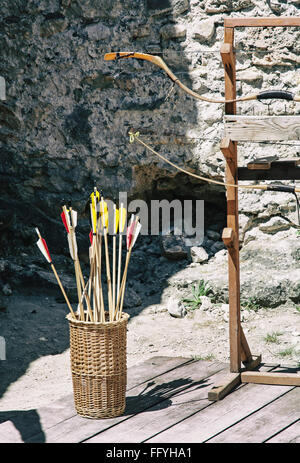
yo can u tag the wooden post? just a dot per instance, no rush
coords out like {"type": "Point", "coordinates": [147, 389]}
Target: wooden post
{"type": "Point", "coordinates": [239, 349]}
{"type": "Point", "coordinates": [229, 149]}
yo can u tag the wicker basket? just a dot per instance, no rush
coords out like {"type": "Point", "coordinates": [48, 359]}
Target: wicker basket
{"type": "Point", "coordinates": [98, 365]}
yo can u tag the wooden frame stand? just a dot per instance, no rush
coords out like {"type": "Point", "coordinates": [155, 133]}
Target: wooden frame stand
{"type": "Point", "coordinates": [239, 349]}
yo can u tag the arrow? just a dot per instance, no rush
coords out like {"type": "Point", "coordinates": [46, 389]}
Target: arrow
{"type": "Point", "coordinates": [95, 253]}
{"type": "Point", "coordinates": [122, 221]}
{"type": "Point", "coordinates": [41, 243]}
{"type": "Point", "coordinates": [73, 251]}
{"type": "Point", "coordinates": [131, 236]}
{"type": "Point", "coordinates": [115, 231]}
{"type": "Point", "coordinates": [104, 221]}
{"type": "Point", "coordinates": [95, 198]}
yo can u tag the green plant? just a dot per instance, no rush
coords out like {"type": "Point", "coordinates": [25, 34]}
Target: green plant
{"type": "Point", "coordinates": [287, 352]}
{"type": "Point", "coordinates": [298, 309]}
{"type": "Point", "coordinates": [273, 337]}
{"type": "Point", "coordinates": [250, 304]}
{"type": "Point", "coordinates": [208, 357]}
{"type": "Point", "coordinates": [199, 290]}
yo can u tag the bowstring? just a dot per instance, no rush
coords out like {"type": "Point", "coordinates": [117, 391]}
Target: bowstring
{"type": "Point", "coordinates": [134, 136]}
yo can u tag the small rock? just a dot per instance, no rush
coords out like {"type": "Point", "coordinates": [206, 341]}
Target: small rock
{"type": "Point", "coordinates": [220, 255]}
{"type": "Point", "coordinates": [225, 308]}
{"type": "Point", "coordinates": [206, 303]}
{"type": "Point", "coordinates": [97, 31]}
{"type": "Point", "coordinates": [274, 225]}
{"type": "Point", "coordinates": [54, 26]}
{"type": "Point", "coordinates": [132, 299]}
{"type": "Point", "coordinates": [226, 317]}
{"type": "Point", "coordinates": [6, 290]}
{"type": "Point", "coordinates": [205, 30]}
{"type": "Point", "coordinates": [176, 7]}
{"type": "Point", "coordinates": [295, 333]}
{"type": "Point", "coordinates": [169, 32]}
{"type": "Point", "coordinates": [249, 75]}
{"type": "Point", "coordinates": [245, 315]}
{"type": "Point", "coordinates": [213, 235]}
{"type": "Point", "coordinates": [216, 312]}
{"type": "Point", "coordinates": [217, 246]}
{"type": "Point", "coordinates": [198, 254]}
{"type": "Point", "coordinates": [173, 247]}
{"type": "Point", "coordinates": [176, 308]}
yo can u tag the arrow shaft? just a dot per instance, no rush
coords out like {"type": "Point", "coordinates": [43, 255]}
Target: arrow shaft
{"type": "Point", "coordinates": [62, 290]}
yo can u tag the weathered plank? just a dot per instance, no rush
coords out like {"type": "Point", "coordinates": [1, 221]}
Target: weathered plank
{"type": "Point", "coordinates": [265, 422]}
{"type": "Point", "coordinates": [139, 398]}
{"type": "Point", "coordinates": [290, 435]}
{"type": "Point", "coordinates": [213, 420]}
{"type": "Point", "coordinates": [29, 423]}
{"type": "Point", "coordinates": [284, 379]}
{"type": "Point", "coordinates": [226, 384]}
{"type": "Point", "coordinates": [159, 417]}
{"type": "Point", "coordinates": [9, 434]}
{"type": "Point", "coordinates": [262, 128]}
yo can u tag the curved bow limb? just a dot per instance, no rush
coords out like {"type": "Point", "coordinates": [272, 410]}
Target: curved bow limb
{"type": "Point", "coordinates": [269, 94]}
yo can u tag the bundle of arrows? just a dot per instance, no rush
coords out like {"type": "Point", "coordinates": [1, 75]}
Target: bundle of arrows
{"type": "Point", "coordinates": [91, 305]}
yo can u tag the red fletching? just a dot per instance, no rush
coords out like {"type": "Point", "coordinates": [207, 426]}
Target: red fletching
{"type": "Point", "coordinates": [63, 217]}
{"type": "Point", "coordinates": [129, 234]}
{"type": "Point", "coordinates": [91, 237]}
{"type": "Point", "coordinates": [46, 248]}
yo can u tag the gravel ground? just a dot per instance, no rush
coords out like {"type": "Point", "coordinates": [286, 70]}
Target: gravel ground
{"type": "Point", "coordinates": [37, 366]}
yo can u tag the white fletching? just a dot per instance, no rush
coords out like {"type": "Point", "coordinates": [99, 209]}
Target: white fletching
{"type": "Point", "coordinates": [136, 234]}
{"type": "Point", "coordinates": [91, 253]}
{"type": "Point", "coordinates": [74, 218]}
{"type": "Point", "coordinates": [43, 250]}
{"type": "Point", "coordinates": [72, 245]}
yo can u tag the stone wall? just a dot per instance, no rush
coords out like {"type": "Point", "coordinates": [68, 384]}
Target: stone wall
{"type": "Point", "coordinates": [65, 123]}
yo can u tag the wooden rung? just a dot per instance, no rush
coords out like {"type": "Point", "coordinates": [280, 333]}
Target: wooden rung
{"type": "Point", "coordinates": [227, 54]}
{"type": "Point", "coordinates": [278, 170]}
{"type": "Point", "coordinates": [262, 128]}
{"type": "Point", "coordinates": [262, 163]}
{"type": "Point", "coordinates": [283, 379]}
{"type": "Point", "coordinates": [228, 237]}
{"type": "Point", "coordinates": [228, 382]}
{"type": "Point", "coordinates": [283, 21]}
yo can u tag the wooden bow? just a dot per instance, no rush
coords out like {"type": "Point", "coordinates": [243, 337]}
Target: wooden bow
{"type": "Point", "coordinates": [269, 94]}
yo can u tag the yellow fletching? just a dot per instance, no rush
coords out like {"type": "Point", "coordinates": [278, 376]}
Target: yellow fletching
{"type": "Point", "coordinates": [104, 218]}
{"type": "Point", "coordinates": [116, 221]}
{"type": "Point", "coordinates": [103, 207]}
{"type": "Point", "coordinates": [93, 218]}
{"type": "Point", "coordinates": [95, 197]}
{"type": "Point", "coordinates": [122, 219]}
{"type": "Point", "coordinates": [92, 196]}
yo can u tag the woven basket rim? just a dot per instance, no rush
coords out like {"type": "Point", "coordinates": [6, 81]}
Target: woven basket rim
{"type": "Point", "coordinates": [125, 317]}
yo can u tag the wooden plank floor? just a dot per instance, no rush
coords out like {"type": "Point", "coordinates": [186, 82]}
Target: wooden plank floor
{"type": "Point", "coordinates": [167, 403]}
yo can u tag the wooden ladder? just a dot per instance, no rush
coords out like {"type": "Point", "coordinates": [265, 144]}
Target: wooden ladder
{"type": "Point", "coordinates": [242, 128]}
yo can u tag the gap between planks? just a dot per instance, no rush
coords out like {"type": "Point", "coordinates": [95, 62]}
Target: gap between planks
{"type": "Point", "coordinates": [140, 398]}
{"type": "Point", "coordinates": [30, 423]}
